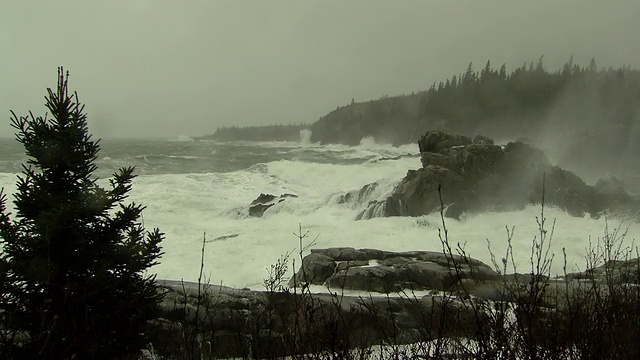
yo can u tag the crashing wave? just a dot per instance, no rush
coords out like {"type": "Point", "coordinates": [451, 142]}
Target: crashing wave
{"type": "Point", "coordinates": [184, 138]}
{"type": "Point", "coordinates": [305, 136]}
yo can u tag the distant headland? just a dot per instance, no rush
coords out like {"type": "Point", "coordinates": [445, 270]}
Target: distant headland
{"type": "Point", "coordinates": [566, 112]}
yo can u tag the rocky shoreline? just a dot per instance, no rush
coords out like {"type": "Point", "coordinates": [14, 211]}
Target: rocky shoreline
{"type": "Point", "coordinates": [464, 175]}
{"type": "Point", "coordinates": [230, 322]}
{"type": "Point", "coordinates": [458, 175]}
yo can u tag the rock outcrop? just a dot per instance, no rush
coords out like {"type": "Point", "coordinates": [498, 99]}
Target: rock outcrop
{"type": "Point", "coordinates": [477, 175]}
{"type": "Point", "coordinates": [357, 197]}
{"type": "Point", "coordinates": [379, 271]}
{"type": "Point", "coordinates": [265, 201]}
{"type": "Point", "coordinates": [241, 323]}
{"type": "Point", "coordinates": [225, 322]}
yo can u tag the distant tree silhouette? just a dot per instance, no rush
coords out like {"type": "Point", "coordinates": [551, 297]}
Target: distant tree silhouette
{"type": "Point", "coordinates": [258, 133]}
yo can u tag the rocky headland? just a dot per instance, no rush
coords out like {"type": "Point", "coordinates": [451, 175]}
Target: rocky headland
{"type": "Point", "coordinates": [463, 174]}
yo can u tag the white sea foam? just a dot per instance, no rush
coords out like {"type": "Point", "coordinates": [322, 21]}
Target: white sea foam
{"type": "Point", "coordinates": [185, 206]}
{"type": "Point", "coordinates": [368, 141]}
{"type": "Point", "coordinates": [186, 157]}
{"type": "Point", "coordinates": [184, 138]}
{"type": "Point", "coordinates": [305, 136]}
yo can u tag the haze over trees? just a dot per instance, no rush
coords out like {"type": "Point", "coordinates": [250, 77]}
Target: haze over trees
{"type": "Point", "coordinates": [493, 101]}
{"type": "Point", "coordinates": [257, 133]}
{"type": "Point", "coordinates": [577, 103]}
{"type": "Point", "coordinates": [565, 112]}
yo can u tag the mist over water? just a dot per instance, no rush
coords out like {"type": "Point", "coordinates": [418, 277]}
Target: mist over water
{"type": "Point", "coordinates": [193, 188]}
{"type": "Point", "coordinates": [592, 128]}
{"type": "Point", "coordinates": [305, 136]}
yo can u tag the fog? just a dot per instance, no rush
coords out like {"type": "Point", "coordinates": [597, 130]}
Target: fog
{"type": "Point", "coordinates": [592, 129]}
{"type": "Point", "coordinates": [162, 68]}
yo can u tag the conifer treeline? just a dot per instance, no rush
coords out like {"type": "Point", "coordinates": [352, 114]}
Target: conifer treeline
{"type": "Point", "coordinates": [581, 101]}
{"type": "Point", "coordinates": [521, 100]}
{"type": "Point", "coordinates": [258, 133]}
{"type": "Point", "coordinates": [494, 102]}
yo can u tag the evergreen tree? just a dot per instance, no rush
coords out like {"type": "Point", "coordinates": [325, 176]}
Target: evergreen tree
{"type": "Point", "coordinates": [73, 282]}
{"type": "Point", "coordinates": [503, 72]}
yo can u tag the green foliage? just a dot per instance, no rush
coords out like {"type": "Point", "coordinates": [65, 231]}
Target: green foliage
{"type": "Point", "coordinates": [74, 255]}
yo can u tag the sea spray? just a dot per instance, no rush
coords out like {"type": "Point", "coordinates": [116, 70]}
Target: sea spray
{"type": "Point", "coordinates": [305, 136]}
{"type": "Point", "coordinates": [186, 197]}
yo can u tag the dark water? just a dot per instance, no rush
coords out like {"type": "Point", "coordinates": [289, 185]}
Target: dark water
{"type": "Point", "coordinates": [155, 157]}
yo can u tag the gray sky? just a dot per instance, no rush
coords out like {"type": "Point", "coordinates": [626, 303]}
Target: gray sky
{"type": "Point", "coordinates": [162, 68]}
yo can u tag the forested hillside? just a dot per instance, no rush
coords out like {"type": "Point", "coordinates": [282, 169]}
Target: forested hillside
{"type": "Point", "coordinates": [585, 118]}
{"type": "Point", "coordinates": [491, 101]}
{"type": "Point", "coordinates": [580, 115]}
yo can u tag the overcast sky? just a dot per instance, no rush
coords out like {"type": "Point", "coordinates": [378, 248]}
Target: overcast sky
{"type": "Point", "coordinates": [162, 68]}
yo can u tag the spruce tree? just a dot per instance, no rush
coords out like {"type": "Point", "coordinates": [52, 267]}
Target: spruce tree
{"type": "Point", "coordinates": [72, 270]}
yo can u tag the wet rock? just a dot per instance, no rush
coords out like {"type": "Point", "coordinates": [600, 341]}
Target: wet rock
{"type": "Point", "coordinates": [417, 194]}
{"type": "Point", "coordinates": [265, 201]}
{"type": "Point", "coordinates": [436, 141]}
{"type": "Point", "coordinates": [349, 253]}
{"type": "Point", "coordinates": [431, 158]}
{"type": "Point", "coordinates": [453, 211]}
{"type": "Point", "coordinates": [428, 275]}
{"type": "Point", "coordinates": [482, 140]}
{"type": "Point", "coordinates": [346, 265]}
{"type": "Point", "coordinates": [316, 269]}
{"type": "Point", "coordinates": [386, 271]}
{"type": "Point", "coordinates": [357, 196]}
{"type": "Point", "coordinates": [382, 279]}
{"type": "Point", "coordinates": [475, 160]}
{"type": "Point", "coordinates": [476, 176]}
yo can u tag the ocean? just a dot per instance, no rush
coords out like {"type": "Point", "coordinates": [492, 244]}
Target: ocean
{"type": "Point", "coordinates": [195, 190]}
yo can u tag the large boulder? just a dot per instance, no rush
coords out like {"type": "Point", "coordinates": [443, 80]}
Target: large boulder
{"type": "Point", "coordinates": [478, 176]}
{"type": "Point", "coordinates": [316, 269]}
{"type": "Point", "coordinates": [436, 141]}
{"type": "Point", "coordinates": [429, 275]}
{"type": "Point", "coordinates": [482, 140]}
{"type": "Point", "coordinates": [382, 279]}
{"type": "Point", "coordinates": [475, 160]}
{"type": "Point", "coordinates": [388, 272]}
{"type": "Point", "coordinates": [350, 254]}
{"type": "Point", "coordinates": [432, 158]}
{"type": "Point", "coordinates": [520, 155]}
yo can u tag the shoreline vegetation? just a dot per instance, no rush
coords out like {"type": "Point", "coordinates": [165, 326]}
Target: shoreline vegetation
{"type": "Point", "coordinates": [73, 281]}
{"type": "Point", "coordinates": [472, 310]}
